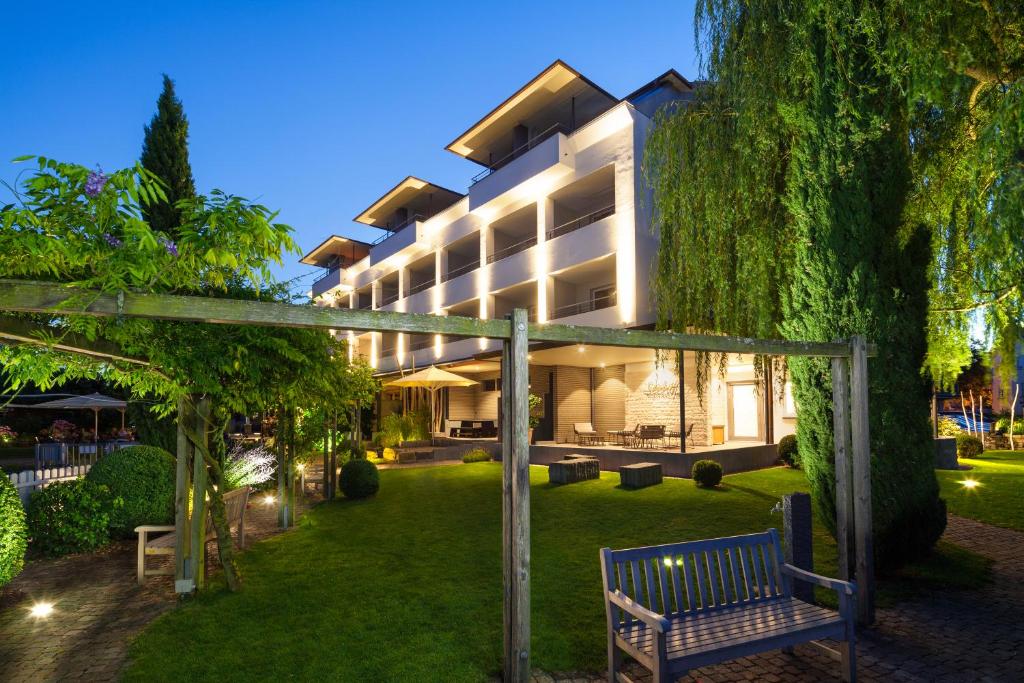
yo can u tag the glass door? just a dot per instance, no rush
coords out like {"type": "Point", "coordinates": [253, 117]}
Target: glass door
{"type": "Point", "coordinates": [746, 412]}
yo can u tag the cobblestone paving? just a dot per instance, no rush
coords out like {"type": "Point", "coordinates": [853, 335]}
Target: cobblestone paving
{"type": "Point", "coordinates": [975, 635]}
{"type": "Point", "coordinates": [98, 609]}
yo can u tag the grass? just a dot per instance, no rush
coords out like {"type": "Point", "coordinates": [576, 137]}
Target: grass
{"type": "Point", "coordinates": [998, 499]}
{"type": "Point", "coordinates": [407, 586]}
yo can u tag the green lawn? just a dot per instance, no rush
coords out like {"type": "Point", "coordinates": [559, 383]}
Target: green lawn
{"type": "Point", "coordinates": [407, 586]}
{"type": "Point", "coordinates": [998, 497]}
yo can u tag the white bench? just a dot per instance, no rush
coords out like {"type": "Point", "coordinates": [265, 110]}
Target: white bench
{"type": "Point", "coordinates": [234, 510]}
{"type": "Point", "coordinates": [682, 606]}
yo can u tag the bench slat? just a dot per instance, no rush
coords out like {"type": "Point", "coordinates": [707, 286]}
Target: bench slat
{"type": "Point", "coordinates": [677, 586]}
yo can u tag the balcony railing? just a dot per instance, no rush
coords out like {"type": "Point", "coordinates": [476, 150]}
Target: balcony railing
{"type": "Point", "coordinates": [581, 222]}
{"type": "Point", "coordinates": [419, 287]}
{"type": "Point", "coordinates": [595, 304]}
{"type": "Point", "coordinates": [389, 298]}
{"type": "Point", "coordinates": [418, 343]}
{"type": "Point", "coordinates": [512, 249]}
{"type": "Point", "coordinates": [461, 270]}
{"type": "Point", "coordinates": [519, 151]}
{"type": "Point", "coordinates": [391, 232]}
{"type": "Point", "coordinates": [365, 306]}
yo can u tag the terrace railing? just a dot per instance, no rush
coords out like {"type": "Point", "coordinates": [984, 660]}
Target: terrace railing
{"type": "Point", "coordinates": [519, 151]}
{"type": "Point", "coordinates": [512, 249]}
{"type": "Point", "coordinates": [461, 270]}
{"type": "Point", "coordinates": [594, 304]}
{"type": "Point", "coordinates": [581, 222]}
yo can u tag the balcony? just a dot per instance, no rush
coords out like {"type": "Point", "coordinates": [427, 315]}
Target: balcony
{"type": "Point", "coordinates": [512, 249]}
{"type": "Point", "coordinates": [461, 270]}
{"type": "Point", "coordinates": [393, 242]}
{"type": "Point", "coordinates": [543, 156]}
{"type": "Point", "coordinates": [581, 222]}
{"type": "Point", "coordinates": [595, 304]}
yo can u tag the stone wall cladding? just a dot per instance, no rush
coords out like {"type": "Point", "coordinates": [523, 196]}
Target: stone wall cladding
{"type": "Point", "coordinates": [647, 406]}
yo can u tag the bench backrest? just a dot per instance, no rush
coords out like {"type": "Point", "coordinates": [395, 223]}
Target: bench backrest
{"type": "Point", "coordinates": [651, 431]}
{"type": "Point", "coordinates": [583, 428]}
{"type": "Point", "coordinates": [234, 508]}
{"type": "Point", "coordinates": [698, 576]}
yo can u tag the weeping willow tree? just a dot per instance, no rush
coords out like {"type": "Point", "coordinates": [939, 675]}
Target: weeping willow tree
{"type": "Point", "coordinates": [846, 169]}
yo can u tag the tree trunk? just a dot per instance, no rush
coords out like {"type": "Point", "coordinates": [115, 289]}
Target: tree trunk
{"type": "Point", "coordinates": [1013, 408]}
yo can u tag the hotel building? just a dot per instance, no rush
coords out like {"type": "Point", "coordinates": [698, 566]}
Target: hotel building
{"type": "Point", "coordinates": [556, 220]}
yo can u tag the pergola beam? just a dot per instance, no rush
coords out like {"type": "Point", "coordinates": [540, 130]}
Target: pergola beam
{"type": "Point", "coordinates": [18, 331]}
{"type": "Point", "coordinates": [54, 298]}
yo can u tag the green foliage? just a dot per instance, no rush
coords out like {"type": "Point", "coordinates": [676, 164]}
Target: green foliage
{"type": "Point", "coordinates": [13, 531]}
{"type": "Point", "coordinates": [968, 446]}
{"type": "Point", "coordinates": [706, 473]}
{"type": "Point", "coordinates": [143, 478]}
{"type": "Point", "coordinates": [948, 427]}
{"type": "Point", "coordinates": [782, 194]}
{"type": "Point", "coordinates": [359, 478]}
{"type": "Point", "coordinates": [536, 410]}
{"type": "Point", "coordinates": [153, 429]}
{"type": "Point", "coordinates": [70, 517]}
{"type": "Point", "coordinates": [788, 452]}
{"type": "Point", "coordinates": [396, 429]}
{"type": "Point", "coordinates": [165, 154]}
{"type": "Point", "coordinates": [476, 455]}
{"type": "Point", "coordinates": [1002, 425]}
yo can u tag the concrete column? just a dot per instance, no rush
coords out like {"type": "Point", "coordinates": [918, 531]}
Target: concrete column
{"type": "Point", "coordinates": [545, 288]}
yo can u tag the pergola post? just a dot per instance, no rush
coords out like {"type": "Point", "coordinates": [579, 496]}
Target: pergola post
{"type": "Point", "coordinates": [182, 483]}
{"type": "Point", "coordinates": [682, 401]}
{"type": "Point", "coordinates": [515, 380]}
{"type": "Point", "coordinates": [861, 442]}
{"type": "Point", "coordinates": [841, 436]}
{"type": "Point", "coordinates": [201, 419]}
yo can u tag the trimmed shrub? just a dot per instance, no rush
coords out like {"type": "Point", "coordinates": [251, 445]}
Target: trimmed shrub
{"type": "Point", "coordinates": [13, 533]}
{"type": "Point", "coordinates": [477, 455]}
{"type": "Point", "coordinates": [706, 473]}
{"type": "Point", "coordinates": [70, 517]}
{"type": "Point", "coordinates": [788, 451]}
{"type": "Point", "coordinates": [143, 478]}
{"type": "Point", "coordinates": [968, 446]}
{"type": "Point", "coordinates": [359, 479]}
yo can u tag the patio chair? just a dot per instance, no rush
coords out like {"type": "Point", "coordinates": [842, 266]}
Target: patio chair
{"type": "Point", "coordinates": [648, 434]}
{"type": "Point", "coordinates": [585, 433]}
{"type": "Point", "coordinates": [689, 433]}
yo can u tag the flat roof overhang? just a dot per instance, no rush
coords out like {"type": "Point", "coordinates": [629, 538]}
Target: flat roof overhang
{"type": "Point", "coordinates": [551, 86]}
{"type": "Point", "coordinates": [335, 245]}
{"type": "Point", "coordinates": [413, 193]}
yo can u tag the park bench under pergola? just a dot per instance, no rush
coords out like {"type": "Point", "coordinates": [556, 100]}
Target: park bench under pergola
{"type": "Point", "coordinates": [849, 386]}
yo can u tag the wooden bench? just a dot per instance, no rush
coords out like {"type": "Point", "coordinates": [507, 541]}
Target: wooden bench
{"type": "Point", "coordinates": [640, 474]}
{"type": "Point", "coordinates": [574, 468]}
{"type": "Point", "coordinates": [681, 606]}
{"type": "Point", "coordinates": [234, 509]}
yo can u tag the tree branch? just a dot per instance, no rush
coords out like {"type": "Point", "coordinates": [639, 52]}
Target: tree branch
{"type": "Point", "coordinates": [26, 332]}
{"type": "Point", "coordinates": [982, 304]}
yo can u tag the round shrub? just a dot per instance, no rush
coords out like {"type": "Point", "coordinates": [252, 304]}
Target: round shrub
{"type": "Point", "coordinates": [13, 534]}
{"type": "Point", "coordinates": [968, 446]}
{"type": "Point", "coordinates": [788, 452]}
{"type": "Point", "coordinates": [70, 517]}
{"type": "Point", "coordinates": [477, 455]}
{"type": "Point", "coordinates": [143, 478]}
{"type": "Point", "coordinates": [706, 473]}
{"type": "Point", "coordinates": [359, 479]}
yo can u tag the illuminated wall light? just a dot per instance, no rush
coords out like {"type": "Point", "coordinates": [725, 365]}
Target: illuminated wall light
{"type": "Point", "coordinates": [268, 500]}
{"type": "Point", "coordinates": [400, 349]}
{"type": "Point", "coordinates": [437, 346]}
{"type": "Point", "coordinates": [351, 345]}
{"type": "Point", "coordinates": [374, 361]}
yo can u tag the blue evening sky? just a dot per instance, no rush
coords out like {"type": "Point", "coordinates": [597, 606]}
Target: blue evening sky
{"type": "Point", "coordinates": [313, 108]}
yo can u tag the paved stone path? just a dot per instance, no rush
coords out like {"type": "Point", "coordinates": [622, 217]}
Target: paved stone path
{"type": "Point", "coordinates": [970, 635]}
{"type": "Point", "coordinates": [975, 635]}
{"type": "Point", "coordinates": [98, 609]}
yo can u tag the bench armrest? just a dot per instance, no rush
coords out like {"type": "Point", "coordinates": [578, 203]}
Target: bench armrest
{"type": "Point", "coordinates": [153, 527]}
{"type": "Point", "coordinates": [638, 611]}
{"type": "Point", "coordinates": [841, 587]}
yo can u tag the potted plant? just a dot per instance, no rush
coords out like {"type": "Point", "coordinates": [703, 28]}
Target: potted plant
{"type": "Point", "coordinates": [536, 413]}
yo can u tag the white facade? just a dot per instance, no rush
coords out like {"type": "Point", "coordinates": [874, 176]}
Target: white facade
{"type": "Point", "coordinates": [562, 230]}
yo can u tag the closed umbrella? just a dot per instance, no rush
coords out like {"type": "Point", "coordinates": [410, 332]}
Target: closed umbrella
{"type": "Point", "coordinates": [433, 378]}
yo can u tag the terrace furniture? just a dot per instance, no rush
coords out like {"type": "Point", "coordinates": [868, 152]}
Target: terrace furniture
{"type": "Point", "coordinates": [640, 475]}
{"type": "Point", "coordinates": [234, 510]}
{"type": "Point", "coordinates": [621, 434]}
{"type": "Point", "coordinates": [586, 435]}
{"type": "Point", "coordinates": [646, 435]}
{"type": "Point", "coordinates": [574, 468]}
{"type": "Point", "coordinates": [682, 606]}
{"type": "Point", "coordinates": [472, 429]}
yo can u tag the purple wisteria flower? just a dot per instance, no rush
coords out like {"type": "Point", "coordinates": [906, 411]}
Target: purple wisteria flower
{"type": "Point", "coordinates": [111, 240]}
{"type": "Point", "coordinates": [95, 182]}
{"type": "Point", "coordinates": [170, 246]}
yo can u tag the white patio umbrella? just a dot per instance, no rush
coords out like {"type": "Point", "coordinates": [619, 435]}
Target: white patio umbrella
{"type": "Point", "coordinates": [433, 378]}
{"type": "Point", "coordinates": [93, 402]}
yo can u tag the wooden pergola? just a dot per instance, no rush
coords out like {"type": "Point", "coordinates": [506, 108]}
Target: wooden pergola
{"type": "Point", "coordinates": [849, 382]}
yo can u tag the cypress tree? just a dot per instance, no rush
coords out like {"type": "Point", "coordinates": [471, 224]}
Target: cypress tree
{"type": "Point", "coordinates": [165, 154]}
